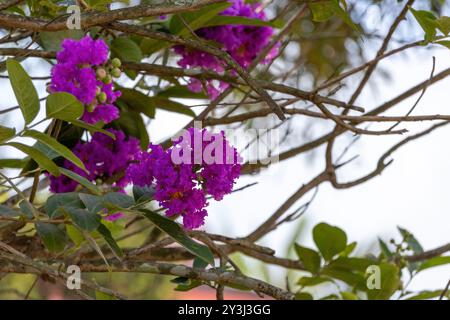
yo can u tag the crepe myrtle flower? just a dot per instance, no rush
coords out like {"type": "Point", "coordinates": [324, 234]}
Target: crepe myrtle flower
{"type": "Point", "coordinates": [183, 179]}
{"type": "Point", "coordinates": [83, 69]}
{"type": "Point", "coordinates": [242, 42]}
{"type": "Point", "coordinates": [105, 159]}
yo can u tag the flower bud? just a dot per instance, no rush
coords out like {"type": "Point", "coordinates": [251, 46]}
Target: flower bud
{"type": "Point", "coordinates": [101, 73]}
{"type": "Point", "coordinates": [91, 107]}
{"type": "Point", "coordinates": [101, 97]}
{"type": "Point", "coordinates": [116, 63]}
{"type": "Point", "coordinates": [107, 79]}
{"type": "Point", "coordinates": [116, 72]}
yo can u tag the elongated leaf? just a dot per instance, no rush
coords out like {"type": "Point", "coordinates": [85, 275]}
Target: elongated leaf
{"type": "Point", "coordinates": [53, 144]}
{"type": "Point", "coordinates": [24, 90]}
{"type": "Point", "coordinates": [6, 133]}
{"type": "Point", "coordinates": [63, 106]}
{"type": "Point", "coordinates": [81, 180]}
{"type": "Point", "coordinates": [126, 49]}
{"type": "Point", "coordinates": [104, 231]}
{"type": "Point", "coordinates": [434, 262]}
{"type": "Point", "coordinates": [13, 163]}
{"type": "Point", "coordinates": [52, 235]}
{"type": "Point", "coordinates": [91, 128]}
{"type": "Point", "coordinates": [138, 101]}
{"type": "Point", "coordinates": [172, 106]}
{"type": "Point", "coordinates": [43, 161]}
{"type": "Point", "coordinates": [176, 232]}
{"type": "Point", "coordinates": [390, 282]}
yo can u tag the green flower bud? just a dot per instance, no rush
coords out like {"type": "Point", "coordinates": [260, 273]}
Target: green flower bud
{"type": "Point", "coordinates": [91, 107]}
{"type": "Point", "coordinates": [116, 62]}
{"type": "Point", "coordinates": [116, 72]}
{"type": "Point", "coordinates": [107, 79]}
{"type": "Point", "coordinates": [101, 97]}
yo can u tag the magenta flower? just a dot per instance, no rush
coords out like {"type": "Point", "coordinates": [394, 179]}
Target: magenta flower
{"type": "Point", "coordinates": [105, 159]}
{"type": "Point", "coordinates": [199, 164]}
{"type": "Point", "coordinates": [242, 42]}
{"type": "Point", "coordinates": [81, 69]}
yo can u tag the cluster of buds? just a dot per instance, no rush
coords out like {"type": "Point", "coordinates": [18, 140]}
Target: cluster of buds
{"type": "Point", "coordinates": [105, 74]}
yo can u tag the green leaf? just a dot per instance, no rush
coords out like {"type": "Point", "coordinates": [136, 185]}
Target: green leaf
{"type": "Point", "coordinates": [93, 203]}
{"type": "Point", "coordinates": [6, 211]}
{"type": "Point", "coordinates": [329, 239]}
{"type": "Point", "coordinates": [27, 208]}
{"type": "Point", "coordinates": [195, 19]}
{"type": "Point", "coordinates": [59, 200]}
{"type": "Point", "coordinates": [303, 296]}
{"type": "Point", "coordinates": [181, 92]}
{"type": "Point", "coordinates": [51, 41]}
{"type": "Point", "coordinates": [434, 262]}
{"type": "Point", "coordinates": [390, 282]}
{"type": "Point", "coordinates": [385, 249]}
{"type": "Point", "coordinates": [352, 264]}
{"type": "Point", "coordinates": [103, 296]}
{"type": "Point", "coordinates": [53, 144]}
{"type": "Point", "coordinates": [322, 10]}
{"type": "Point", "coordinates": [83, 218]}
{"type": "Point", "coordinates": [91, 128]}
{"type": "Point", "coordinates": [427, 21]}
{"type": "Point", "coordinates": [138, 101]}
{"type": "Point", "coordinates": [63, 106]}
{"type": "Point", "coordinates": [443, 24]}
{"type": "Point", "coordinates": [52, 235]}
{"type": "Point", "coordinates": [349, 249]}
{"type": "Point", "coordinates": [24, 90]}
{"type": "Point", "coordinates": [424, 295]}
{"type": "Point", "coordinates": [142, 194]}
{"type": "Point", "coordinates": [176, 232]}
{"type": "Point", "coordinates": [43, 161]}
{"type": "Point", "coordinates": [13, 163]}
{"type": "Point", "coordinates": [104, 231]}
{"type": "Point", "coordinates": [81, 180]}
{"type": "Point", "coordinates": [309, 258]}
{"type": "Point", "coordinates": [126, 49]}
{"type": "Point", "coordinates": [6, 133]}
{"type": "Point", "coordinates": [172, 106]}
{"type": "Point", "coordinates": [445, 43]}
{"type": "Point", "coordinates": [349, 296]}
{"type": "Point", "coordinates": [75, 235]}
{"type": "Point", "coordinates": [116, 201]}
{"type": "Point", "coordinates": [313, 281]}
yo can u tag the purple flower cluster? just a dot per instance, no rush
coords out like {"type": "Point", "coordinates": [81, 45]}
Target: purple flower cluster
{"type": "Point", "coordinates": [242, 42]}
{"type": "Point", "coordinates": [105, 159]}
{"type": "Point", "coordinates": [199, 164]}
{"type": "Point", "coordinates": [81, 71]}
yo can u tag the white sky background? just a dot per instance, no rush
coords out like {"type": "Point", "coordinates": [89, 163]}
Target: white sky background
{"type": "Point", "coordinates": [413, 192]}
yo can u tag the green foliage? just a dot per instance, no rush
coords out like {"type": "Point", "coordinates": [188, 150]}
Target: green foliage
{"type": "Point", "coordinates": [24, 90]}
{"type": "Point", "coordinates": [63, 106]}
{"type": "Point", "coordinates": [330, 240]}
{"type": "Point", "coordinates": [176, 232]}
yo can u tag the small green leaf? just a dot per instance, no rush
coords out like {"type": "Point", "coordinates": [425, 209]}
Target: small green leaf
{"type": "Point", "coordinates": [329, 239]}
{"type": "Point", "coordinates": [6, 133]}
{"type": "Point", "coordinates": [43, 161]}
{"type": "Point", "coordinates": [52, 235]}
{"type": "Point", "coordinates": [175, 232]}
{"type": "Point", "coordinates": [309, 258]}
{"type": "Point", "coordinates": [93, 203]}
{"type": "Point", "coordinates": [53, 144]}
{"type": "Point", "coordinates": [24, 90]}
{"type": "Point", "coordinates": [103, 296]}
{"type": "Point", "coordinates": [172, 106]}
{"type": "Point", "coordinates": [313, 281]}
{"type": "Point", "coordinates": [138, 101]}
{"type": "Point", "coordinates": [63, 106]}
{"type": "Point", "coordinates": [83, 218]}
{"type": "Point", "coordinates": [425, 295]}
{"type": "Point", "coordinates": [116, 201]}
{"type": "Point", "coordinates": [427, 21]}
{"type": "Point", "coordinates": [349, 295]}
{"type": "Point", "coordinates": [75, 235]}
{"type": "Point", "coordinates": [385, 249]}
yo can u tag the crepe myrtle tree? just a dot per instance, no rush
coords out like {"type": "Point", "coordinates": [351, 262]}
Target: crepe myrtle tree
{"type": "Point", "coordinates": [90, 177]}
